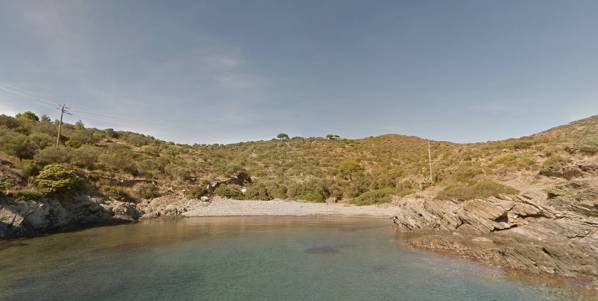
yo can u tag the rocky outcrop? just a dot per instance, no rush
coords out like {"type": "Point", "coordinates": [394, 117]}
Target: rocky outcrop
{"type": "Point", "coordinates": [168, 206]}
{"type": "Point", "coordinates": [525, 232]}
{"type": "Point", "coordinates": [580, 196]}
{"type": "Point", "coordinates": [570, 171]}
{"type": "Point", "coordinates": [26, 217]}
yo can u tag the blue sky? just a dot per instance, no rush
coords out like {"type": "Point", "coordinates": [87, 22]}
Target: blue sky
{"type": "Point", "coordinates": [228, 71]}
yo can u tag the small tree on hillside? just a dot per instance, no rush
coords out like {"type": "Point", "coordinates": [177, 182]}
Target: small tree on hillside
{"type": "Point", "coordinates": [45, 119]}
{"type": "Point", "coordinates": [282, 136]}
{"type": "Point", "coordinates": [349, 168]}
{"type": "Point", "coordinates": [56, 178]}
{"type": "Point", "coordinates": [79, 125]}
{"type": "Point", "coordinates": [27, 116]}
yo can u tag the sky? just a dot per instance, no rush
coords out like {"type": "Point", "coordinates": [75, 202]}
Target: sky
{"type": "Point", "coordinates": [229, 71]}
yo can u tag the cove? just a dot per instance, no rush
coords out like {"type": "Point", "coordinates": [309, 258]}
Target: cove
{"type": "Point", "coordinates": [247, 258]}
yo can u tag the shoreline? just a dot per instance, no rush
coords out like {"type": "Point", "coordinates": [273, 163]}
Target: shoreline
{"type": "Point", "coordinates": [227, 207]}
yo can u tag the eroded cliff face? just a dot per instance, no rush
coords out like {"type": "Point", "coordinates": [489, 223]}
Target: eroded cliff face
{"type": "Point", "coordinates": [20, 218]}
{"type": "Point", "coordinates": [552, 234]}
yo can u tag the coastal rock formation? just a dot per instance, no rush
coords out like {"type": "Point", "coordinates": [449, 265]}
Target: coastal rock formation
{"type": "Point", "coordinates": [529, 232]}
{"type": "Point", "coordinates": [32, 217]}
{"type": "Point", "coordinates": [24, 217]}
{"type": "Point", "coordinates": [168, 206]}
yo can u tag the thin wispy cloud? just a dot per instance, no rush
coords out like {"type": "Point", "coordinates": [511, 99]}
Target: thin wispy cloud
{"type": "Point", "coordinates": [220, 71]}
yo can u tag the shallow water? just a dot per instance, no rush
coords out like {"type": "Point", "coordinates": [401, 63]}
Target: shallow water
{"type": "Point", "coordinates": [236, 258]}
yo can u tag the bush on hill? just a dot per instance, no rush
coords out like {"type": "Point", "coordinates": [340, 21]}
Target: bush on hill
{"type": "Point", "coordinates": [588, 145]}
{"type": "Point", "coordinates": [53, 155]}
{"type": "Point", "coordinates": [57, 179]}
{"type": "Point", "coordinates": [147, 191]}
{"type": "Point", "coordinates": [120, 195]}
{"type": "Point", "coordinates": [374, 197]}
{"type": "Point", "coordinates": [27, 116]}
{"type": "Point", "coordinates": [229, 192]}
{"type": "Point", "coordinates": [481, 189]}
{"type": "Point", "coordinates": [197, 191]}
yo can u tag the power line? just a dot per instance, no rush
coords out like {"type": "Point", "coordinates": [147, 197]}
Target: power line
{"type": "Point", "coordinates": [6, 97]}
{"type": "Point", "coordinates": [109, 118]}
{"type": "Point", "coordinates": [124, 121]}
{"type": "Point", "coordinates": [16, 91]}
{"type": "Point", "coordinates": [63, 110]}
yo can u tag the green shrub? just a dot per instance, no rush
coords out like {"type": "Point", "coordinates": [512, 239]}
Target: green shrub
{"type": "Point", "coordinates": [147, 191]}
{"type": "Point", "coordinates": [53, 155]}
{"type": "Point", "coordinates": [111, 133]}
{"type": "Point", "coordinates": [282, 136]}
{"type": "Point", "coordinates": [558, 191]}
{"type": "Point", "coordinates": [313, 194]}
{"type": "Point", "coordinates": [523, 143]}
{"type": "Point", "coordinates": [28, 168]}
{"type": "Point", "coordinates": [137, 139]}
{"type": "Point", "coordinates": [41, 140]}
{"type": "Point", "coordinates": [243, 176]}
{"type": "Point", "coordinates": [349, 169]}
{"type": "Point", "coordinates": [312, 191]}
{"type": "Point", "coordinates": [481, 189]}
{"type": "Point", "coordinates": [17, 144]}
{"type": "Point", "coordinates": [6, 184]}
{"type": "Point", "coordinates": [229, 191]}
{"type": "Point", "coordinates": [57, 179]}
{"type": "Point", "coordinates": [233, 169]}
{"type": "Point", "coordinates": [355, 188]}
{"type": "Point", "coordinates": [513, 161]}
{"type": "Point", "coordinates": [277, 191]}
{"type": "Point", "coordinates": [8, 122]}
{"type": "Point", "coordinates": [258, 192]}
{"type": "Point", "coordinates": [404, 188]}
{"type": "Point", "coordinates": [553, 160]}
{"type": "Point", "coordinates": [178, 172]}
{"type": "Point", "coordinates": [120, 195]}
{"type": "Point", "coordinates": [374, 197]}
{"type": "Point", "coordinates": [80, 137]}
{"type": "Point", "coordinates": [467, 173]}
{"type": "Point", "coordinates": [198, 191]}
{"type": "Point", "coordinates": [85, 156]}
{"type": "Point", "coordinates": [121, 159]}
{"type": "Point", "coordinates": [29, 195]}
{"type": "Point", "coordinates": [588, 145]}
{"type": "Point", "coordinates": [27, 116]}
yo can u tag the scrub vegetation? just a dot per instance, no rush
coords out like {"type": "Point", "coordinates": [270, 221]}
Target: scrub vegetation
{"type": "Point", "coordinates": [130, 166]}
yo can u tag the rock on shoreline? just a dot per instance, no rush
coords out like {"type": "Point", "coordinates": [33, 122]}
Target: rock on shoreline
{"type": "Point", "coordinates": [527, 232]}
{"type": "Point", "coordinates": [25, 218]}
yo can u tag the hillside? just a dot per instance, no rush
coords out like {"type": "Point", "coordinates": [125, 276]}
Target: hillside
{"type": "Point", "coordinates": [130, 166]}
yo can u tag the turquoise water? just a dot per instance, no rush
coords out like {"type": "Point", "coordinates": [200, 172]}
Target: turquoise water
{"type": "Point", "coordinates": [281, 258]}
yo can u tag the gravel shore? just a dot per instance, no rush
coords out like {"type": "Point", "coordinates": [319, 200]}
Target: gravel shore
{"type": "Point", "coordinates": [225, 207]}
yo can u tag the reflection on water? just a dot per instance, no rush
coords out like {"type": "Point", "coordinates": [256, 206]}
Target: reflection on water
{"type": "Point", "coordinates": [251, 258]}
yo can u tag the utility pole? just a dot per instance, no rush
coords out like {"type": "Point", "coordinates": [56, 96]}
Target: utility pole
{"type": "Point", "coordinates": [63, 110]}
{"type": "Point", "coordinates": [430, 162]}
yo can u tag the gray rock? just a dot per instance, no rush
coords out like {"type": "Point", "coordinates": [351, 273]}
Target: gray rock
{"type": "Point", "coordinates": [527, 233]}
{"type": "Point", "coordinates": [33, 217]}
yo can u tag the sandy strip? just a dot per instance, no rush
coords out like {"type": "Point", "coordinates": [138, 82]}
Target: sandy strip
{"type": "Point", "coordinates": [225, 207]}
